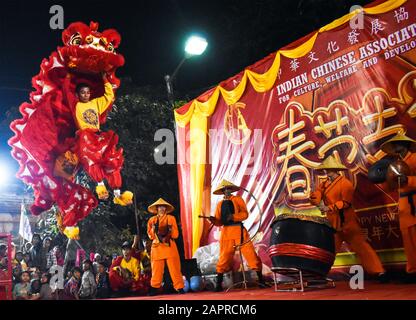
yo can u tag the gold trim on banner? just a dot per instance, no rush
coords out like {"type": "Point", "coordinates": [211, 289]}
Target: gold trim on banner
{"type": "Point", "coordinates": [377, 207]}
{"type": "Point", "coordinates": [198, 112]}
{"type": "Point", "coordinates": [264, 82]}
{"type": "Point", "coordinates": [386, 256]}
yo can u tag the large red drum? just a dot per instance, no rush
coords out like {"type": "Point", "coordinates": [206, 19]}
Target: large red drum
{"type": "Point", "coordinates": [303, 242]}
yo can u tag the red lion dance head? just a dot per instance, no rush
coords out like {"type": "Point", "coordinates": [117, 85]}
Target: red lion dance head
{"type": "Point", "coordinates": [89, 51]}
{"type": "Point", "coordinates": [47, 130]}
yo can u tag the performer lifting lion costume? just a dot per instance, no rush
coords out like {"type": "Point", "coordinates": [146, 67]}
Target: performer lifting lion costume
{"type": "Point", "coordinates": [60, 128]}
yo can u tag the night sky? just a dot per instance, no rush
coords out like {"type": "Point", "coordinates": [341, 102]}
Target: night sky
{"type": "Point", "coordinates": [239, 32]}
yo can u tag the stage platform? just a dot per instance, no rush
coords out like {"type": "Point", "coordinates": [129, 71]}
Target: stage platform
{"type": "Point", "coordinates": [372, 291]}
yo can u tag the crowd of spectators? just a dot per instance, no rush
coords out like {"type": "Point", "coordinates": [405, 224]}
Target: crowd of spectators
{"type": "Point", "coordinates": [47, 269]}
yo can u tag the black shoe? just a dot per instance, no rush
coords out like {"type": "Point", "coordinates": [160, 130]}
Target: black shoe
{"type": "Point", "coordinates": [383, 277]}
{"type": "Point", "coordinates": [153, 292]}
{"type": "Point", "coordinates": [220, 277]}
{"type": "Point", "coordinates": [262, 283]}
{"type": "Point", "coordinates": [181, 291]}
{"type": "Point", "coordinates": [169, 290]}
{"type": "Point", "coordinates": [409, 278]}
{"type": "Point", "coordinates": [219, 288]}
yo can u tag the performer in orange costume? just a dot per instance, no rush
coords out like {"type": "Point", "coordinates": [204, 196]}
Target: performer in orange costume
{"type": "Point", "coordinates": [162, 230]}
{"type": "Point", "coordinates": [334, 198]}
{"type": "Point", "coordinates": [405, 148]}
{"type": "Point", "coordinates": [230, 213]}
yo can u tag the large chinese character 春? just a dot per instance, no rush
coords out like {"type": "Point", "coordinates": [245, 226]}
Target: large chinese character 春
{"type": "Point", "coordinates": [300, 188]}
{"type": "Point", "coordinates": [292, 143]}
{"type": "Point", "coordinates": [291, 147]}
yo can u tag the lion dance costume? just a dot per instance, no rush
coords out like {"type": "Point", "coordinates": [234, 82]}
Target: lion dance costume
{"type": "Point", "coordinates": [49, 143]}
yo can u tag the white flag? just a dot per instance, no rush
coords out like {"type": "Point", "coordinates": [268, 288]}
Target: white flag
{"type": "Point", "coordinates": [24, 229]}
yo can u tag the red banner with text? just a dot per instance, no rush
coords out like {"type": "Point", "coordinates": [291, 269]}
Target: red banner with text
{"type": "Point", "coordinates": [341, 91]}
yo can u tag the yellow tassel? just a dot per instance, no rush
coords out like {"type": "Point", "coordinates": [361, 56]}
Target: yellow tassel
{"type": "Point", "coordinates": [72, 233]}
{"type": "Point", "coordinates": [125, 199]}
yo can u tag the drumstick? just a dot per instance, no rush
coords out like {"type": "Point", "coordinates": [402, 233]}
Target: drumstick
{"type": "Point", "coordinates": [212, 224]}
{"type": "Point", "coordinates": [395, 170]}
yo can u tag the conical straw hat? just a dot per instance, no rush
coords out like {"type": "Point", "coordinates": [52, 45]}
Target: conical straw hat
{"type": "Point", "coordinates": [153, 207]}
{"type": "Point", "coordinates": [226, 184]}
{"type": "Point", "coordinates": [387, 146]}
{"type": "Point", "coordinates": [331, 163]}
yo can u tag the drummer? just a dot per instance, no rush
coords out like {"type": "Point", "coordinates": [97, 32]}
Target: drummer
{"type": "Point", "coordinates": [405, 148]}
{"type": "Point", "coordinates": [230, 213]}
{"type": "Point", "coordinates": [334, 198]}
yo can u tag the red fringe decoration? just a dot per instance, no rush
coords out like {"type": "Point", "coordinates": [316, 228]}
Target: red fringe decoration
{"type": "Point", "coordinates": [301, 251]}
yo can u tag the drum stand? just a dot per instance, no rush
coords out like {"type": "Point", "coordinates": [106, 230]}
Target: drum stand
{"type": "Point", "coordinates": [245, 281]}
{"type": "Point", "coordinates": [302, 280]}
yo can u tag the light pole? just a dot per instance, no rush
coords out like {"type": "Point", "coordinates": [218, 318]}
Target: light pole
{"type": "Point", "coordinates": [194, 46]}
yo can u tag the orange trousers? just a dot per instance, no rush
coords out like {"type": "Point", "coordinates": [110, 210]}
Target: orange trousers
{"type": "Point", "coordinates": [368, 257]}
{"type": "Point", "coordinates": [409, 244]}
{"type": "Point", "coordinates": [174, 267]}
{"type": "Point", "coordinates": [227, 251]}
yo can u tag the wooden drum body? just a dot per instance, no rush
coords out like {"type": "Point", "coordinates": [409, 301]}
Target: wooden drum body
{"type": "Point", "coordinates": [302, 242]}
